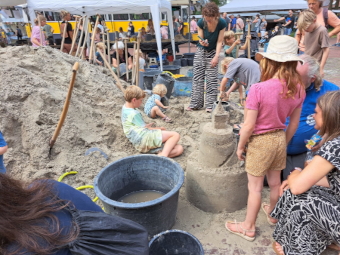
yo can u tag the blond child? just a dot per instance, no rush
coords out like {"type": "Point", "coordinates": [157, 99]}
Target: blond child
{"type": "Point", "coordinates": [144, 137]}
{"type": "Point", "coordinates": [230, 44]}
{"type": "Point", "coordinates": [100, 48]}
{"type": "Point", "coordinates": [154, 106]}
{"type": "Point", "coordinates": [316, 38]}
{"type": "Point", "coordinates": [224, 67]}
{"type": "Point", "coordinates": [97, 38]}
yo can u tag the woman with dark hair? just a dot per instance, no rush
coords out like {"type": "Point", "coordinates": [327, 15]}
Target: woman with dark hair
{"type": "Point", "coordinates": [211, 30]}
{"type": "Point", "coordinates": [308, 211]}
{"type": "Point", "coordinates": [50, 217]}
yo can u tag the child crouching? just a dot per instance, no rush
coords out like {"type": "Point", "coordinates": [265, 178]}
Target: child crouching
{"type": "Point", "coordinates": [146, 139]}
{"type": "Point", "coordinates": [154, 106]}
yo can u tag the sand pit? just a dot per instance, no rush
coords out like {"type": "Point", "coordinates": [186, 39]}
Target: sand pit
{"type": "Point", "coordinates": [34, 87]}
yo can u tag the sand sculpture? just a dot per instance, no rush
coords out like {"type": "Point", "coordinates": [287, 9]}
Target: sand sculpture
{"type": "Point", "coordinates": [215, 181]}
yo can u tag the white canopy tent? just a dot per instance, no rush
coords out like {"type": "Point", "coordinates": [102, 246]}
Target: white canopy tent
{"type": "Point", "coordinates": [11, 2]}
{"type": "Point", "coordinates": [263, 5]}
{"type": "Point", "coordinates": [93, 7]}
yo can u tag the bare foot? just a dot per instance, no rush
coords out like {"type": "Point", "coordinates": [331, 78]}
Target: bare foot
{"type": "Point", "coordinates": [278, 248]}
{"type": "Point", "coordinates": [239, 228]}
{"type": "Point", "coordinates": [272, 220]}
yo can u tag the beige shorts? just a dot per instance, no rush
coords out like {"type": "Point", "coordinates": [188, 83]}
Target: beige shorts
{"type": "Point", "coordinates": [266, 152]}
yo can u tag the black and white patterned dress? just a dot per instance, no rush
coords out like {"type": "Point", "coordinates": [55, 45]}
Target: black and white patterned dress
{"type": "Point", "coordinates": [309, 222]}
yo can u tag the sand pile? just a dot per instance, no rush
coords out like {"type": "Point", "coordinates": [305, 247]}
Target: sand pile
{"type": "Point", "coordinates": [34, 87]}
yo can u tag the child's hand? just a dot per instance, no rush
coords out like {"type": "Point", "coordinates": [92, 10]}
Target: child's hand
{"type": "Point", "coordinates": [249, 37]}
{"type": "Point", "coordinates": [240, 154]}
{"type": "Point", "coordinates": [165, 107]}
{"type": "Point", "coordinates": [237, 42]}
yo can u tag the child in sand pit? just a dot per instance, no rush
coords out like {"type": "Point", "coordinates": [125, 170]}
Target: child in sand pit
{"type": "Point", "coordinates": [144, 137]}
{"type": "Point", "coordinates": [154, 106]}
{"type": "Point", "coordinates": [269, 103]}
{"type": "Point", "coordinates": [230, 44]}
{"type": "Point", "coordinates": [100, 47]}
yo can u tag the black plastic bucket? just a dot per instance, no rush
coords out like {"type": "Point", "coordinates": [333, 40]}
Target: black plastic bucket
{"type": "Point", "coordinates": [188, 55]}
{"type": "Point", "coordinates": [168, 81]}
{"type": "Point", "coordinates": [173, 69]}
{"type": "Point", "coordinates": [175, 242]}
{"type": "Point", "coordinates": [179, 56]}
{"type": "Point", "coordinates": [184, 62]}
{"type": "Point", "coordinates": [190, 61]}
{"type": "Point", "coordinates": [177, 62]}
{"type": "Point", "coordinates": [165, 62]}
{"type": "Point", "coordinates": [142, 172]}
{"type": "Point", "coordinates": [225, 105]}
{"type": "Point", "coordinates": [148, 78]}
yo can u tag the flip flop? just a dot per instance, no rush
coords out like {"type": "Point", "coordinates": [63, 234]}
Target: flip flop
{"type": "Point", "coordinates": [167, 119]}
{"type": "Point", "coordinates": [208, 110]}
{"type": "Point", "coordinates": [267, 214]}
{"type": "Point", "coordinates": [244, 231]}
{"type": "Point", "coordinates": [275, 249]}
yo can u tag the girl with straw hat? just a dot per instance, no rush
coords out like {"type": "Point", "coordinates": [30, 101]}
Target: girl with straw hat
{"type": "Point", "coordinates": [269, 103]}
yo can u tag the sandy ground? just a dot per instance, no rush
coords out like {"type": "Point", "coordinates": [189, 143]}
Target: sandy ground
{"type": "Point", "coordinates": [34, 86]}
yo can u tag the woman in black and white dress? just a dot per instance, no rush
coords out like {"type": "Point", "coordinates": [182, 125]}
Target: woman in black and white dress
{"type": "Point", "coordinates": [308, 212]}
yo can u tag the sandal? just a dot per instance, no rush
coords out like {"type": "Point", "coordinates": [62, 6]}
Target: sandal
{"type": "Point", "coordinates": [267, 214]}
{"type": "Point", "coordinates": [167, 119]}
{"type": "Point", "coordinates": [208, 110]}
{"type": "Point", "coordinates": [237, 127]}
{"type": "Point", "coordinates": [276, 250]}
{"type": "Point", "coordinates": [241, 234]}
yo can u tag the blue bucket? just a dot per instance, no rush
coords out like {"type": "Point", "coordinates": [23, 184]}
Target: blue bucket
{"type": "Point", "coordinates": [190, 73]}
{"type": "Point", "coordinates": [183, 87]}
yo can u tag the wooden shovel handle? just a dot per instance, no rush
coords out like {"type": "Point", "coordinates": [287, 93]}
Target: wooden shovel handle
{"type": "Point", "coordinates": [66, 105]}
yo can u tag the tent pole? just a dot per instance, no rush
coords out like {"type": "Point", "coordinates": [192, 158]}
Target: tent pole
{"type": "Point", "coordinates": [117, 59]}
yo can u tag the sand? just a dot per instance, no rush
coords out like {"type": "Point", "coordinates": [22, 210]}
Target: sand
{"type": "Point", "coordinates": [34, 87]}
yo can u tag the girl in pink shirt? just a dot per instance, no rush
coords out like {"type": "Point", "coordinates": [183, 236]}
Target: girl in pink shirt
{"type": "Point", "coordinates": [269, 103]}
{"type": "Point", "coordinates": [37, 33]}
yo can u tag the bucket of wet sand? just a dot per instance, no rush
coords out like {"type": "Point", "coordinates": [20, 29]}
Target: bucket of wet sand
{"type": "Point", "coordinates": [175, 242]}
{"type": "Point", "coordinates": [133, 177]}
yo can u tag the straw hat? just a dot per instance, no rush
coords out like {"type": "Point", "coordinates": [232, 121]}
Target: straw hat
{"type": "Point", "coordinates": [281, 48]}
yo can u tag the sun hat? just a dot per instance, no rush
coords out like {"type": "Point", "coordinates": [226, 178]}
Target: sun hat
{"type": "Point", "coordinates": [281, 48]}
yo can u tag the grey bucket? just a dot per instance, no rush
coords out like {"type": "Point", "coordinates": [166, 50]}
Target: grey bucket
{"type": "Point", "coordinates": [177, 62]}
{"type": "Point", "coordinates": [172, 68]}
{"type": "Point", "coordinates": [225, 105]}
{"type": "Point", "coordinates": [175, 242]}
{"type": "Point", "coordinates": [142, 172]}
{"type": "Point", "coordinates": [168, 81]}
{"type": "Point", "coordinates": [184, 62]}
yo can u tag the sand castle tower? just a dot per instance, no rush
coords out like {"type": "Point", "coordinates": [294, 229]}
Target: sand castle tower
{"type": "Point", "coordinates": [215, 181]}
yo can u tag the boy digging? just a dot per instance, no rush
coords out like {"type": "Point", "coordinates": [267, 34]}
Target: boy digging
{"type": "Point", "coordinates": [316, 38]}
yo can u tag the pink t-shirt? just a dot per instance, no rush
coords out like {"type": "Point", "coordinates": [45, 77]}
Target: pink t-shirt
{"type": "Point", "coordinates": [193, 26]}
{"type": "Point", "coordinates": [36, 34]}
{"type": "Point", "coordinates": [273, 110]}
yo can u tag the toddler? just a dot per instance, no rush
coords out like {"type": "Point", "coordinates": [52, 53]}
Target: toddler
{"type": "Point", "coordinates": [144, 137]}
{"type": "Point", "coordinates": [154, 106]}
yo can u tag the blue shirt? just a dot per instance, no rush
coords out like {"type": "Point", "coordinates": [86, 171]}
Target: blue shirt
{"type": "Point", "coordinates": [233, 21]}
{"type": "Point", "coordinates": [2, 144]}
{"type": "Point", "coordinates": [306, 125]}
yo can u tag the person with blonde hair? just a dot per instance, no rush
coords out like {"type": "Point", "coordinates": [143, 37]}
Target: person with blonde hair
{"type": "Point", "coordinates": [139, 55]}
{"type": "Point", "coordinates": [144, 137]}
{"type": "Point", "coordinates": [245, 72]}
{"type": "Point", "coordinates": [37, 33]}
{"type": "Point", "coordinates": [66, 17]}
{"type": "Point", "coordinates": [308, 210]}
{"type": "Point", "coordinates": [230, 44]}
{"type": "Point", "coordinates": [316, 37]}
{"type": "Point", "coordinates": [315, 87]}
{"type": "Point", "coordinates": [154, 107]}
{"type": "Point", "coordinates": [279, 95]}
{"type": "Point", "coordinates": [100, 47]}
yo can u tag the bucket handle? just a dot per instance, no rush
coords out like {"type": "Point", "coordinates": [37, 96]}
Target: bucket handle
{"type": "Point", "coordinates": [171, 74]}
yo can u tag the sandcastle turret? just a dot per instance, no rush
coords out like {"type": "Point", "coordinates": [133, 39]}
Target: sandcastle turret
{"type": "Point", "coordinates": [215, 181]}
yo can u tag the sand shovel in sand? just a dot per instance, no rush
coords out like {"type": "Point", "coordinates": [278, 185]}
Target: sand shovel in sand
{"type": "Point", "coordinates": [65, 108]}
